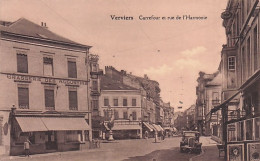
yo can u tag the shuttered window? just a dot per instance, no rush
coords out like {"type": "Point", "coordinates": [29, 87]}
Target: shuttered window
{"type": "Point", "coordinates": [23, 97]}
{"type": "Point", "coordinates": [124, 102]}
{"type": "Point", "coordinates": [125, 115]}
{"type": "Point", "coordinates": [133, 102]}
{"type": "Point", "coordinates": [49, 99]}
{"type": "Point", "coordinates": [116, 115]}
{"type": "Point", "coordinates": [73, 100]}
{"type": "Point", "coordinates": [48, 66]}
{"type": "Point", "coordinates": [134, 115]}
{"type": "Point", "coordinates": [72, 69]}
{"type": "Point", "coordinates": [22, 63]}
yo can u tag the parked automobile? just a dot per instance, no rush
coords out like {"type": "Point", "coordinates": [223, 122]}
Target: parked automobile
{"type": "Point", "coordinates": [190, 142]}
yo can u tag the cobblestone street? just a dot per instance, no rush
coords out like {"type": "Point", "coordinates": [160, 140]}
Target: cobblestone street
{"type": "Point", "coordinates": [127, 150]}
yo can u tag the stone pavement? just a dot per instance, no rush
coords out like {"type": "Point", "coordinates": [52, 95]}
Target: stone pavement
{"type": "Point", "coordinates": [209, 151]}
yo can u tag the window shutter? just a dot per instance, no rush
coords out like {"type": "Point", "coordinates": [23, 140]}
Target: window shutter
{"type": "Point", "coordinates": [23, 98]}
{"type": "Point", "coordinates": [22, 63]}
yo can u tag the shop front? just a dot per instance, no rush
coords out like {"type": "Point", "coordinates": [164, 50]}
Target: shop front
{"type": "Point", "coordinates": [48, 134]}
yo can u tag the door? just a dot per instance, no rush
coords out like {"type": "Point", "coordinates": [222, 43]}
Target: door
{"type": "Point", "coordinates": [51, 140]}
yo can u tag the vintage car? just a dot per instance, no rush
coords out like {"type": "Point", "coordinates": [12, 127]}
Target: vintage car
{"type": "Point", "coordinates": [190, 142]}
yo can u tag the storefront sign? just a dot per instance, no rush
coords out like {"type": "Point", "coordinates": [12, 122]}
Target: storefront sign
{"type": "Point", "coordinates": [17, 77]}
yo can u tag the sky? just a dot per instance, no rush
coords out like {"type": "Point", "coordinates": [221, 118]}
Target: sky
{"type": "Point", "coordinates": [170, 51]}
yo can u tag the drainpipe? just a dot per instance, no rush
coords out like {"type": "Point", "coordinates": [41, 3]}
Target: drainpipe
{"type": "Point", "coordinates": [88, 96]}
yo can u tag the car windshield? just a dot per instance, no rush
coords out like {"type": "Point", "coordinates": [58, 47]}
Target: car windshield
{"type": "Point", "coordinates": [189, 134]}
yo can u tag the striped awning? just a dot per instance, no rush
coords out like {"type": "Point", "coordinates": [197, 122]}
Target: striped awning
{"type": "Point", "coordinates": [150, 127]}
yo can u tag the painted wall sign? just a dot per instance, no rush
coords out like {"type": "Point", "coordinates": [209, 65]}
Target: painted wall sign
{"type": "Point", "coordinates": [17, 77]}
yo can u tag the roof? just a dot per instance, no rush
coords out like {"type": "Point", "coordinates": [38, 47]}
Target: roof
{"type": "Point", "coordinates": [25, 27]}
{"type": "Point", "coordinates": [216, 81]}
{"type": "Point", "coordinates": [107, 83]}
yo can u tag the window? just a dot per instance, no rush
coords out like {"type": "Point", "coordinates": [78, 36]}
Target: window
{"type": "Point", "coordinates": [125, 115]}
{"type": "Point", "coordinates": [215, 97]}
{"type": "Point", "coordinates": [124, 102]}
{"type": "Point", "coordinates": [133, 102]}
{"type": "Point", "coordinates": [134, 115]}
{"type": "Point", "coordinates": [22, 63]}
{"type": "Point", "coordinates": [115, 102]}
{"type": "Point", "coordinates": [73, 100]}
{"type": "Point", "coordinates": [106, 102]}
{"type": "Point", "coordinates": [248, 57]}
{"type": "Point", "coordinates": [49, 99]}
{"type": "Point", "coordinates": [95, 105]}
{"type": "Point", "coordinates": [48, 66]}
{"type": "Point", "coordinates": [23, 97]}
{"type": "Point", "coordinates": [249, 129]}
{"type": "Point", "coordinates": [1, 133]}
{"type": "Point", "coordinates": [255, 42]}
{"type": "Point", "coordinates": [94, 68]}
{"type": "Point", "coordinates": [72, 69]}
{"type": "Point", "coordinates": [257, 128]}
{"type": "Point", "coordinates": [231, 63]}
{"type": "Point", "coordinates": [73, 136]}
{"type": "Point", "coordinates": [94, 85]}
{"type": "Point", "coordinates": [116, 115]}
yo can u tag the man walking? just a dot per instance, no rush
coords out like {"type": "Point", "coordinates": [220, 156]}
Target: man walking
{"type": "Point", "coordinates": [27, 147]}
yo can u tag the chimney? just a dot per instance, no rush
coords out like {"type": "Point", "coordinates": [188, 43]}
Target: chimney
{"type": "Point", "coordinates": [43, 24]}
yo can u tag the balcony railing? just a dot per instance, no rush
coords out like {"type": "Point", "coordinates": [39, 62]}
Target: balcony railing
{"type": "Point", "coordinates": [215, 102]}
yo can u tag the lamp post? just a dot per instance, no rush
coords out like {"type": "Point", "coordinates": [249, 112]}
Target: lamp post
{"type": "Point", "coordinates": [110, 123]}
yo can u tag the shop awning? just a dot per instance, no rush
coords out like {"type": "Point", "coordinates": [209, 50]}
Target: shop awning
{"type": "Point", "coordinates": [28, 124]}
{"type": "Point", "coordinates": [62, 124]}
{"type": "Point", "coordinates": [160, 127]}
{"type": "Point", "coordinates": [126, 127]}
{"type": "Point", "coordinates": [156, 127]}
{"type": "Point", "coordinates": [148, 126]}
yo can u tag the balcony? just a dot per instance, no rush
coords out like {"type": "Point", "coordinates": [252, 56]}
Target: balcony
{"type": "Point", "coordinates": [95, 93]}
{"type": "Point", "coordinates": [215, 102]}
{"type": "Point", "coordinates": [98, 72]}
{"type": "Point", "coordinates": [95, 113]}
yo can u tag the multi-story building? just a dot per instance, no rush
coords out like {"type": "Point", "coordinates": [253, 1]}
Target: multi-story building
{"type": "Point", "coordinates": [95, 76]}
{"type": "Point", "coordinates": [240, 84]}
{"type": "Point", "coordinates": [213, 98]}
{"type": "Point", "coordinates": [200, 102]}
{"type": "Point", "coordinates": [125, 103]}
{"type": "Point", "coordinates": [44, 90]}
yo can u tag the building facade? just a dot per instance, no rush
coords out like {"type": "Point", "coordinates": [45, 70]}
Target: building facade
{"type": "Point", "coordinates": [125, 103]}
{"type": "Point", "coordinates": [44, 90]}
{"type": "Point", "coordinates": [240, 84]}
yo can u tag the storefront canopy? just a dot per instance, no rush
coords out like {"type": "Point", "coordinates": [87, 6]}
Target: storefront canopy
{"type": "Point", "coordinates": [126, 127]}
{"type": "Point", "coordinates": [28, 124]}
{"type": "Point", "coordinates": [157, 127]}
{"type": "Point", "coordinates": [150, 127]}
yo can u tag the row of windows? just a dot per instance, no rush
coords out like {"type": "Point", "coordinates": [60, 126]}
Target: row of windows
{"type": "Point", "coordinates": [22, 65]}
{"type": "Point", "coordinates": [132, 116]}
{"type": "Point", "coordinates": [49, 96]}
{"type": "Point", "coordinates": [115, 102]}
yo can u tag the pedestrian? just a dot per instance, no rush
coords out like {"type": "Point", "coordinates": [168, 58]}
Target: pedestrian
{"type": "Point", "coordinates": [27, 147]}
{"type": "Point", "coordinates": [146, 134]}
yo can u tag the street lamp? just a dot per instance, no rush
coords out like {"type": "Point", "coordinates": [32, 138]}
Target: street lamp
{"type": "Point", "coordinates": [110, 123]}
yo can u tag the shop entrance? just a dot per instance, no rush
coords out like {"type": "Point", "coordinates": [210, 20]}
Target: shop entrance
{"type": "Point", "coordinates": [51, 140]}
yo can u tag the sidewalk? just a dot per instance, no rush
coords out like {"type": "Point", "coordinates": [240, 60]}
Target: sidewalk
{"type": "Point", "coordinates": [209, 152]}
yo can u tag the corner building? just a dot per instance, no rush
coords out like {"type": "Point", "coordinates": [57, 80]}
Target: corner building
{"type": "Point", "coordinates": [44, 90]}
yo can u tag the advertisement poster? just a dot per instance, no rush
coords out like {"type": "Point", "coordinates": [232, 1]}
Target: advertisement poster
{"type": "Point", "coordinates": [235, 152]}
